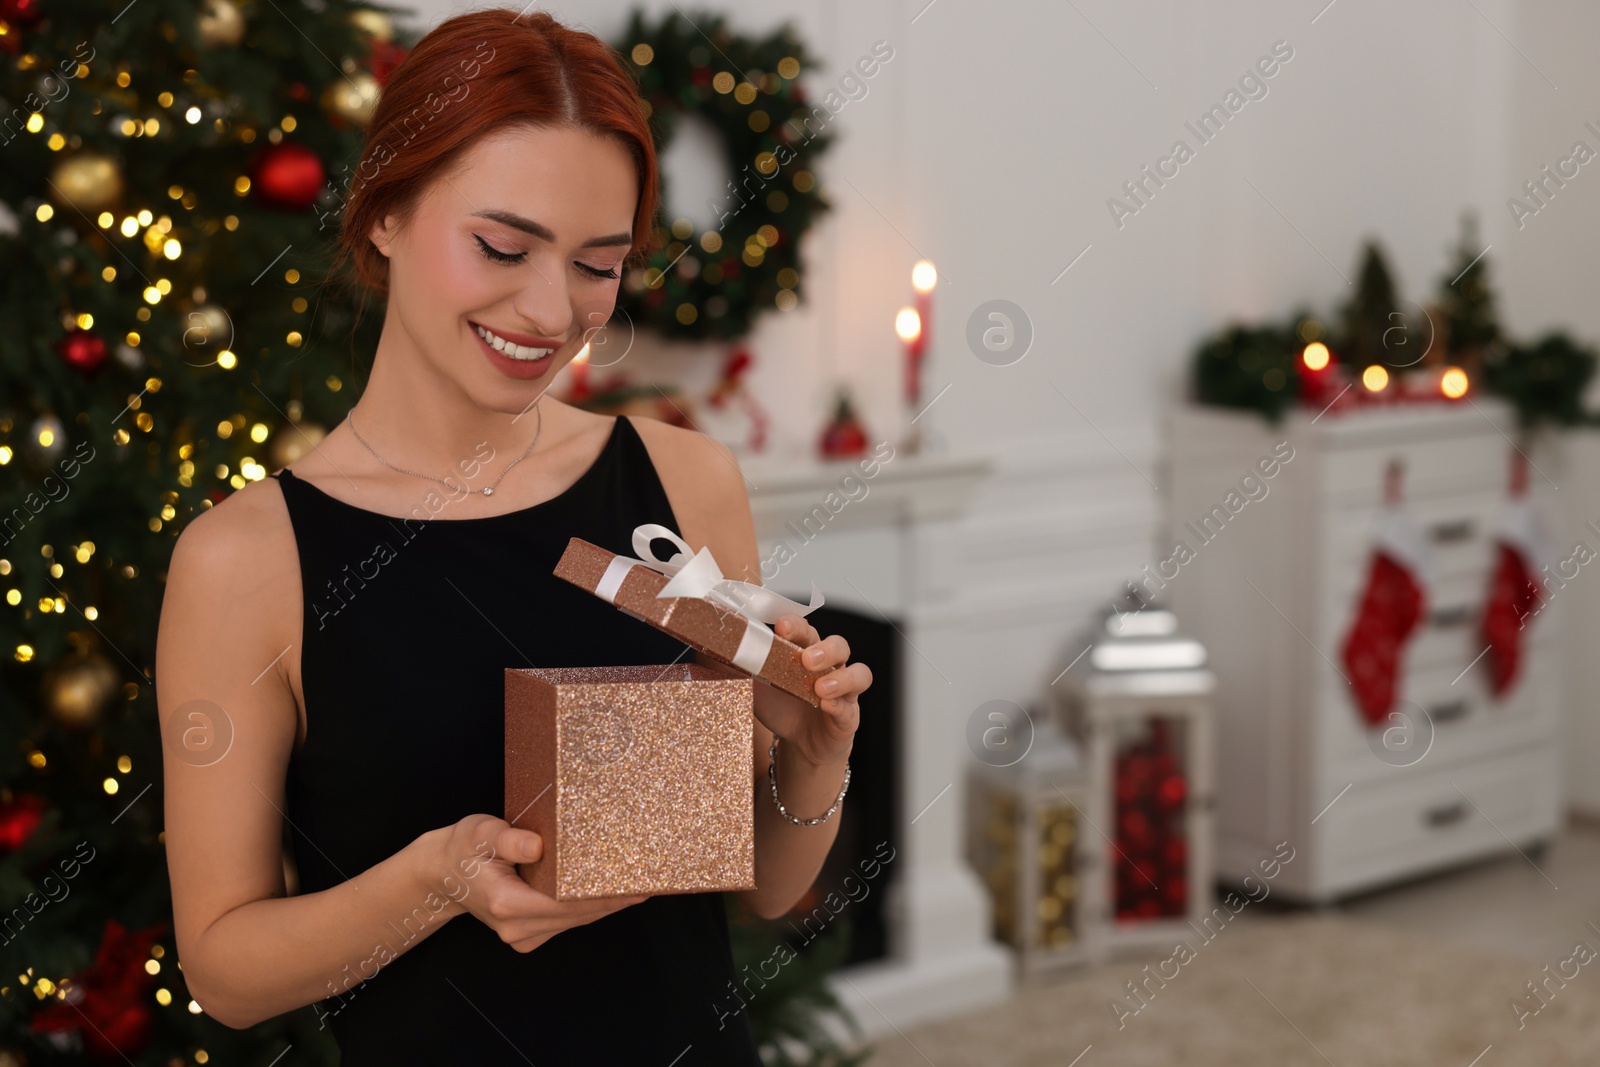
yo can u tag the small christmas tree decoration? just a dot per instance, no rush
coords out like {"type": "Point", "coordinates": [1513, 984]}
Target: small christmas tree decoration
{"type": "Point", "coordinates": [1467, 321]}
{"type": "Point", "coordinates": [1371, 327]}
{"type": "Point", "coordinates": [844, 437]}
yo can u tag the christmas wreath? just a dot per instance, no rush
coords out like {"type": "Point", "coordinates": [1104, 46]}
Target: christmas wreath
{"type": "Point", "coordinates": [714, 283]}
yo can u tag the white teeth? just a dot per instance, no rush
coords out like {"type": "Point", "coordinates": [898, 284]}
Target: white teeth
{"type": "Point", "coordinates": [515, 351]}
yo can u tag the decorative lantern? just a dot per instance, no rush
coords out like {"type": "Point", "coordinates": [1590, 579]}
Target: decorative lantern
{"type": "Point", "coordinates": [1025, 838]}
{"type": "Point", "coordinates": [1140, 708]}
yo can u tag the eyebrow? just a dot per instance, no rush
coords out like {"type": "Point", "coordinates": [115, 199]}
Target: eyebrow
{"type": "Point", "coordinates": [544, 233]}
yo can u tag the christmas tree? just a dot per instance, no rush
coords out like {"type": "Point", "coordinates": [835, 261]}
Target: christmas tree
{"type": "Point", "coordinates": [1372, 330]}
{"type": "Point", "coordinates": [1469, 323]}
{"type": "Point", "coordinates": [172, 178]}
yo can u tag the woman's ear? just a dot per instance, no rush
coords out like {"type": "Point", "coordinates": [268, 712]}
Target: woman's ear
{"type": "Point", "coordinates": [381, 234]}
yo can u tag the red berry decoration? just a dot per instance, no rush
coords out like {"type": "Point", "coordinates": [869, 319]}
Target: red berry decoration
{"type": "Point", "coordinates": [83, 351]}
{"type": "Point", "coordinates": [288, 176]}
{"type": "Point", "coordinates": [844, 437]}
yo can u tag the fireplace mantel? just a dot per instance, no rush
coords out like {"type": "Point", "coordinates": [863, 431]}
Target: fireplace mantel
{"type": "Point", "coordinates": [904, 488]}
{"type": "Point", "coordinates": [874, 543]}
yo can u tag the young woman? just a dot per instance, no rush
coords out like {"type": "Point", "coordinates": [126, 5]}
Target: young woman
{"type": "Point", "coordinates": [338, 633]}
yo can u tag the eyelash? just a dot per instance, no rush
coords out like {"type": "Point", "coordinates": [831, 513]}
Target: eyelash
{"type": "Point", "coordinates": [496, 256]}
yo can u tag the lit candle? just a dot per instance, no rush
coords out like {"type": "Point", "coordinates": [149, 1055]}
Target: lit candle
{"type": "Point", "coordinates": [908, 325]}
{"type": "Point", "coordinates": [579, 369]}
{"type": "Point", "coordinates": [923, 279]}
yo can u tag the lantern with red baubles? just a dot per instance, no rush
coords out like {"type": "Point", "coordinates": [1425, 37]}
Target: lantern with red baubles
{"type": "Point", "coordinates": [1140, 706]}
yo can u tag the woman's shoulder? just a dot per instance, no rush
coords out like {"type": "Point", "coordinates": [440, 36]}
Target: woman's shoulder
{"type": "Point", "coordinates": [243, 546]}
{"type": "Point", "coordinates": [704, 471]}
{"type": "Point", "coordinates": [706, 488]}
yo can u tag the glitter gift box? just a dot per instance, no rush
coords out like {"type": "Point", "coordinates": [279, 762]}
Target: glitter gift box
{"type": "Point", "coordinates": [688, 598]}
{"type": "Point", "coordinates": [638, 779]}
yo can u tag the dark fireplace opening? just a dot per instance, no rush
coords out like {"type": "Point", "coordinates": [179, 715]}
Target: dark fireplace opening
{"type": "Point", "coordinates": [869, 816]}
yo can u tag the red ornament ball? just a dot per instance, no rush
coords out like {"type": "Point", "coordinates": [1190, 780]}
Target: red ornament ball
{"type": "Point", "coordinates": [18, 820]}
{"type": "Point", "coordinates": [21, 12]}
{"type": "Point", "coordinates": [1172, 791]}
{"type": "Point", "coordinates": [83, 351]}
{"type": "Point", "coordinates": [288, 176]}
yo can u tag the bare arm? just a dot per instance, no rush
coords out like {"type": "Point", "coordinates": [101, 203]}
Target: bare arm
{"type": "Point", "coordinates": [230, 620]}
{"type": "Point", "coordinates": [229, 616]}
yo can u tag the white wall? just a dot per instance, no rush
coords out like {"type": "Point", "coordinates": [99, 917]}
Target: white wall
{"type": "Point", "coordinates": [991, 142]}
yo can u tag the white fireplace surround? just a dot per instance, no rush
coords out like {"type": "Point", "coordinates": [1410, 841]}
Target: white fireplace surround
{"type": "Point", "coordinates": [855, 528]}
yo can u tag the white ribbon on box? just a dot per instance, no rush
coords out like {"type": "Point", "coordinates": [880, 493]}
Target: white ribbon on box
{"type": "Point", "coordinates": [697, 575]}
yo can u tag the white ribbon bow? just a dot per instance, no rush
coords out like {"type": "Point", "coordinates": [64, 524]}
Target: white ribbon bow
{"type": "Point", "coordinates": [697, 575]}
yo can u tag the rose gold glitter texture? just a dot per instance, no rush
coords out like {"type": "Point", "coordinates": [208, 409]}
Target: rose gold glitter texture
{"type": "Point", "coordinates": [708, 627]}
{"type": "Point", "coordinates": [638, 779]}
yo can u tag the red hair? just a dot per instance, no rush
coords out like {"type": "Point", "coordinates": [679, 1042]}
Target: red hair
{"type": "Point", "coordinates": [516, 70]}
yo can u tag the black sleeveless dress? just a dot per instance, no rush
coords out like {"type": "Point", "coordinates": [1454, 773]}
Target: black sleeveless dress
{"type": "Point", "coordinates": [409, 626]}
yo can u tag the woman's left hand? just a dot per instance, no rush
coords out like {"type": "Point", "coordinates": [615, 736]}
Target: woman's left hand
{"type": "Point", "coordinates": [823, 735]}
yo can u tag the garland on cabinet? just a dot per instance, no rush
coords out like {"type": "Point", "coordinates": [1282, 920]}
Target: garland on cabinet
{"type": "Point", "coordinates": [1386, 350]}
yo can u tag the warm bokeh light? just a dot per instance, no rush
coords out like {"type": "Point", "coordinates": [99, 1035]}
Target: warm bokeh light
{"type": "Point", "coordinates": [582, 356]}
{"type": "Point", "coordinates": [1315, 356]}
{"type": "Point", "coordinates": [908, 324]}
{"type": "Point", "coordinates": [924, 277]}
{"type": "Point", "coordinates": [1375, 378]}
{"type": "Point", "coordinates": [1454, 383]}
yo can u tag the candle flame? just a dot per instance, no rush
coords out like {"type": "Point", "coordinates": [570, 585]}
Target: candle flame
{"type": "Point", "coordinates": [908, 324]}
{"type": "Point", "coordinates": [924, 277]}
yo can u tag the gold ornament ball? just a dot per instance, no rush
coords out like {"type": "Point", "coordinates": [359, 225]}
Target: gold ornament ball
{"type": "Point", "coordinates": [89, 181]}
{"type": "Point", "coordinates": [221, 24]}
{"type": "Point", "coordinates": [78, 688]}
{"type": "Point", "coordinates": [294, 441]}
{"type": "Point", "coordinates": [373, 23]}
{"type": "Point", "coordinates": [207, 328]}
{"type": "Point", "coordinates": [352, 98]}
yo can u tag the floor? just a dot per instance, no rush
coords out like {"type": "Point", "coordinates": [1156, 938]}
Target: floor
{"type": "Point", "coordinates": [1431, 972]}
{"type": "Point", "coordinates": [1534, 907]}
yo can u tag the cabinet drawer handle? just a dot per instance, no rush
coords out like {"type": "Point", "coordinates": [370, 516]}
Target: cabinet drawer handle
{"type": "Point", "coordinates": [1452, 531]}
{"type": "Point", "coordinates": [1451, 709]}
{"type": "Point", "coordinates": [1446, 815]}
{"type": "Point", "coordinates": [1455, 615]}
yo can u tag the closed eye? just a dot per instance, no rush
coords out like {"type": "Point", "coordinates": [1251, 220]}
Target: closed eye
{"type": "Point", "coordinates": [496, 255]}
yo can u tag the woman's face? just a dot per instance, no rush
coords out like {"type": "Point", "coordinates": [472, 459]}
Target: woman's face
{"type": "Point", "coordinates": [510, 261]}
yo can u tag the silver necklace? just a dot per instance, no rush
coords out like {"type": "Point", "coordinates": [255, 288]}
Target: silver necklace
{"type": "Point", "coordinates": [487, 490]}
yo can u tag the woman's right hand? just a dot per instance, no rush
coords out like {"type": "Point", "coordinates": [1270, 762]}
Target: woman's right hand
{"type": "Point", "coordinates": [473, 864]}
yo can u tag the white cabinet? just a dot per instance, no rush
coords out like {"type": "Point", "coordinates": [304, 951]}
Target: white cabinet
{"type": "Point", "coordinates": [1272, 590]}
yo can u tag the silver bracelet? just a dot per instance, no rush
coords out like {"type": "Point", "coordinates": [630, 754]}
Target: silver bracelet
{"type": "Point", "coordinates": [772, 776]}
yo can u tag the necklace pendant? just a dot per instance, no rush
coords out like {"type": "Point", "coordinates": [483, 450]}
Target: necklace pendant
{"type": "Point", "coordinates": [487, 491]}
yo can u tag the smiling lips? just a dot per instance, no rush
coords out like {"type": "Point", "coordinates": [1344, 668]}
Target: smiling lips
{"type": "Point", "coordinates": [534, 348]}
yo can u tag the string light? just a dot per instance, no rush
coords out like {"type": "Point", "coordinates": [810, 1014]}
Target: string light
{"type": "Point", "coordinates": [1375, 378]}
{"type": "Point", "coordinates": [1315, 355]}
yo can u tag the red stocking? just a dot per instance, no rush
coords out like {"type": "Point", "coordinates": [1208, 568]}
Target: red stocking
{"type": "Point", "coordinates": [1512, 597]}
{"type": "Point", "coordinates": [1391, 607]}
